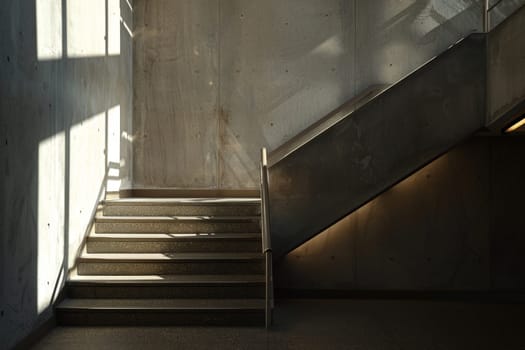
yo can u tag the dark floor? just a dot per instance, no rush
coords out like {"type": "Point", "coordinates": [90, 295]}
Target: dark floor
{"type": "Point", "coordinates": [328, 324]}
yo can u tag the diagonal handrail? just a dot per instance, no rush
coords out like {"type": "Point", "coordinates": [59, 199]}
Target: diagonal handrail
{"type": "Point", "coordinates": [487, 8]}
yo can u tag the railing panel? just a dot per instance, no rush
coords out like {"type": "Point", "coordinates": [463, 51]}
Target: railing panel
{"type": "Point", "coordinates": [384, 141]}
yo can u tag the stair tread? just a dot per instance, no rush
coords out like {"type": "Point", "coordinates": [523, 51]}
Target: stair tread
{"type": "Point", "coordinates": [142, 257]}
{"type": "Point", "coordinates": [162, 304]}
{"type": "Point", "coordinates": [178, 218]}
{"type": "Point", "coordinates": [170, 236]}
{"type": "Point", "coordinates": [74, 278]}
{"type": "Point", "coordinates": [183, 201]}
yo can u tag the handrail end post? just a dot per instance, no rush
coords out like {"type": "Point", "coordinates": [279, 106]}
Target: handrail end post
{"type": "Point", "coordinates": [266, 242]}
{"type": "Point", "coordinates": [486, 18]}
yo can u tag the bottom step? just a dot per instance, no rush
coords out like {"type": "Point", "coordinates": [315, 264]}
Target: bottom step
{"type": "Point", "coordinates": [165, 286]}
{"type": "Point", "coordinates": [161, 312]}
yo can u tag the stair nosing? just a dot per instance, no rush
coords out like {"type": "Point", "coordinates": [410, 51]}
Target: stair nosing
{"type": "Point", "coordinates": [182, 202]}
{"type": "Point", "coordinates": [97, 283]}
{"type": "Point", "coordinates": [74, 277]}
{"type": "Point", "coordinates": [152, 305]}
{"type": "Point", "coordinates": [178, 219]}
{"type": "Point", "coordinates": [170, 257]}
{"type": "Point", "coordinates": [169, 237]}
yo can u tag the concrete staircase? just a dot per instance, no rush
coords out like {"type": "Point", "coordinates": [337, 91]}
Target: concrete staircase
{"type": "Point", "coordinates": [160, 261]}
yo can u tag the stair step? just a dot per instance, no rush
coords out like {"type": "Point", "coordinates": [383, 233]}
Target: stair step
{"type": "Point", "coordinates": [128, 312]}
{"type": "Point", "coordinates": [177, 224]}
{"type": "Point", "coordinates": [182, 206]}
{"type": "Point", "coordinates": [172, 242]}
{"type": "Point", "coordinates": [182, 218]}
{"type": "Point", "coordinates": [163, 304]}
{"type": "Point", "coordinates": [175, 236]}
{"type": "Point", "coordinates": [75, 278]}
{"type": "Point", "coordinates": [166, 286]}
{"type": "Point", "coordinates": [183, 257]}
{"type": "Point", "coordinates": [170, 263]}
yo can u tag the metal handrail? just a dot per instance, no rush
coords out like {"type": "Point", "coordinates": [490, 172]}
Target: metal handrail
{"type": "Point", "coordinates": [325, 123]}
{"type": "Point", "coordinates": [494, 5]}
{"type": "Point", "coordinates": [486, 16]}
{"type": "Point", "coordinates": [486, 19]}
{"type": "Point", "coordinates": [266, 240]}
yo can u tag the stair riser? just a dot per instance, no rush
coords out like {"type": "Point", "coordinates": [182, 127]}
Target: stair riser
{"type": "Point", "coordinates": [176, 227]}
{"type": "Point", "coordinates": [173, 247]}
{"type": "Point", "coordinates": [158, 268]}
{"type": "Point", "coordinates": [159, 318]}
{"type": "Point", "coordinates": [176, 291]}
{"type": "Point", "coordinates": [180, 210]}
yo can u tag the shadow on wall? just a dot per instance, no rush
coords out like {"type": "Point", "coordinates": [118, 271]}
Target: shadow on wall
{"type": "Point", "coordinates": [66, 101]}
{"type": "Point", "coordinates": [261, 72]}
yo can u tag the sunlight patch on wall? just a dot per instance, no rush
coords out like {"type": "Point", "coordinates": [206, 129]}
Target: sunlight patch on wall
{"type": "Point", "coordinates": [49, 29]}
{"type": "Point", "coordinates": [113, 27]}
{"type": "Point", "coordinates": [51, 179]}
{"type": "Point", "coordinates": [87, 31]}
{"type": "Point", "coordinates": [516, 126]}
{"type": "Point", "coordinates": [86, 171]}
{"type": "Point", "coordinates": [114, 180]}
{"type": "Point", "coordinates": [310, 102]}
{"type": "Point", "coordinates": [441, 13]}
{"type": "Point", "coordinates": [330, 47]}
{"type": "Point", "coordinates": [86, 28]}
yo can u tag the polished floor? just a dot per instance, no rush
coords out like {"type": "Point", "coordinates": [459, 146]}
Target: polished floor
{"type": "Point", "coordinates": [328, 324]}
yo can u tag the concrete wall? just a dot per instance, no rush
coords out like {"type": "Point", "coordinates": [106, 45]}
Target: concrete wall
{"type": "Point", "coordinates": [506, 68]}
{"type": "Point", "coordinates": [216, 80]}
{"type": "Point", "coordinates": [453, 225]}
{"type": "Point", "coordinates": [502, 11]}
{"type": "Point", "coordinates": [65, 87]}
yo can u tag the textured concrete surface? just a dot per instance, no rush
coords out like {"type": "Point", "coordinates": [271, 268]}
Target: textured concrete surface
{"type": "Point", "coordinates": [65, 86]}
{"type": "Point", "coordinates": [175, 95]}
{"type": "Point", "coordinates": [178, 226]}
{"type": "Point", "coordinates": [158, 243]}
{"type": "Point", "coordinates": [507, 235]}
{"type": "Point", "coordinates": [143, 246]}
{"type": "Point", "coordinates": [215, 81]}
{"type": "Point", "coordinates": [327, 324]}
{"type": "Point", "coordinates": [232, 265]}
{"type": "Point", "coordinates": [183, 207]}
{"type": "Point", "coordinates": [503, 9]}
{"type": "Point", "coordinates": [506, 68]}
{"type": "Point", "coordinates": [60, 82]}
{"type": "Point", "coordinates": [453, 225]}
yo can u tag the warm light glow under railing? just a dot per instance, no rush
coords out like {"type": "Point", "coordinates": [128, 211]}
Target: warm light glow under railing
{"type": "Point", "coordinates": [516, 125]}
